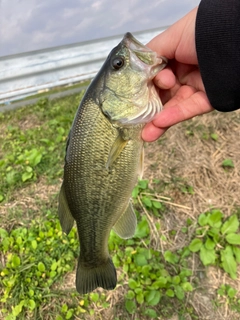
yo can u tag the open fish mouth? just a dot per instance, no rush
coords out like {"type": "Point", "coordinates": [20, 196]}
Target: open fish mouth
{"type": "Point", "coordinates": [144, 53]}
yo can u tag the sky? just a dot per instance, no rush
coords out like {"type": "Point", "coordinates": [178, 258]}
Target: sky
{"type": "Point", "coordinates": [27, 25]}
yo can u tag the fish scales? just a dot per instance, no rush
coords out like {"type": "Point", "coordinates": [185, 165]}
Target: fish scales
{"type": "Point", "coordinates": [104, 159]}
{"type": "Point", "coordinates": [99, 193]}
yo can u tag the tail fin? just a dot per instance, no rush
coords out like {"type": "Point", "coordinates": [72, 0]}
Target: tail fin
{"type": "Point", "coordinates": [88, 279]}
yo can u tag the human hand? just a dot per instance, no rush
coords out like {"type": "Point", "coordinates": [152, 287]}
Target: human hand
{"type": "Point", "coordinates": [180, 85]}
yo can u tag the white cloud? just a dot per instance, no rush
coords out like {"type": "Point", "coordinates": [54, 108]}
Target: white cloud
{"type": "Point", "coordinates": [31, 25]}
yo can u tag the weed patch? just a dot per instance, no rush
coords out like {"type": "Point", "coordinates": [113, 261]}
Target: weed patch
{"type": "Point", "coordinates": [182, 262]}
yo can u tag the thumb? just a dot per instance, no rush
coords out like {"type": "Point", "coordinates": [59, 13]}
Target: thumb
{"type": "Point", "coordinates": [178, 41]}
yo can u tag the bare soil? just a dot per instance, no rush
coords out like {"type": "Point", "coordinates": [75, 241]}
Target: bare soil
{"type": "Point", "coordinates": [187, 155]}
{"type": "Point", "coordinates": [188, 162]}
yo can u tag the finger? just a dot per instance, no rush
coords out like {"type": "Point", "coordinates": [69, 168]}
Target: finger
{"type": "Point", "coordinates": [195, 105]}
{"type": "Point", "coordinates": [165, 79]}
{"type": "Point", "coordinates": [189, 75]}
{"type": "Point", "coordinates": [185, 105]}
{"type": "Point", "coordinates": [175, 94]}
{"type": "Point", "coordinates": [151, 132]}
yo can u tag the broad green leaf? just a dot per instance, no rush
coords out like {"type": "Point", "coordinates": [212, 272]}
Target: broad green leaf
{"type": "Point", "coordinates": [203, 219]}
{"type": "Point", "coordinates": [185, 253]}
{"type": "Point", "coordinates": [34, 244]}
{"type": "Point", "coordinates": [150, 313]}
{"type": "Point", "coordinates": [171, 257]}
{"type": "Point", "coordinates": [176, 280]}
{"type": "Point", "coordinates": [185, 273]}
{"type": "Point", "coordinates": [228, 262]}
{"type": "Point", "coordinates": [54, 266]}
{"type": "Point", "coordinates": [138, 290]}
{"type": "Point", "coordinates": [153, 297]}
{"type": "Point", "coordinates": [187, 286]}
{"type": "Point", "coordinates": [132, 284]}
{"type": "Point", "coordinates": [130, 306]}
{"type": "Point", "coordinates": [157, 204]}
{"type": "Point", "coordinates": [231, 225]}
{"type": "Point", "coordinates": [207, 256]}
{"type": "Point", "coordinates": [213, 231]}
{"type": "Point", "coordinates": [215, 219]}
{"type": "Point", "coordinates": [236, 252]}
{"type": "Point", "coordinates": [233, 238]}
{"type": "Point", "coordinates": [15, 261]}
{"type": "Point", "coordinates": [231, 292]}
{"type": "Point", "coordinates": [3, 233]}
{"type": "Point", "coordinates": [69, 314]}
{"type": "Point", "coordinates": [17, 309]}
{"type": "Point", "coordinates": [19, 240]}
{"type": "Point", "coordinates": [147, 201]}
{"type": "Point", "coordinates": [34, 157]}
{"type": "Point", "coordinates": [140, 297]}
{"type": "Point", "coordinates": [140, 260]}
{"type": "Point", "coordinates": [1, 197]}
{"type": "Point", "coordinates": [26, 176]}
{"type": "Point", "coordinates": [228, 163]}
{"type": "Point", "coordinates": [41, 267]}
{"type": "Point", "coordinates": [146, 252]}
{"type": "Point", "coordinates": [31, 304]}
{"type": "Point", "coordinates": [195, 245]}
{"type": "Point", "coordinates": [130, 294]}
{"type": "Point", "coordinates": [135, 192]}
{"type": "Point", "coordinates": [214, 136]}
{"type": "Point", "coordinates": [170, 293]}
{"type": "Point", "coordinates": [216, 237]}
{"type": "Point", "coordinates": [94, 296]}
{"type": "Point", "coordinates": [159, 283]}
{"type": "Point", "coordinates": [28, 169]}
{"type": "Point", "coordinates": [142, 229]}
{"type": "Point", "coordinates": [179, 292]}
{"type": "Point", "coordinates": [11, 177]}
{"type": "Point", "coordinates": [209, 244]}
{"type": "Point", "coordinates": [64, 308]}
{"type": "Point", "coordinates": [143, 184]}
{"type": "Point", "coordinates": [222, 290]}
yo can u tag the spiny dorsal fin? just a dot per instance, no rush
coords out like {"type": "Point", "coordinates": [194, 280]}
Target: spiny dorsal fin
{"type": "Point", "coordinates": [126, 224]}
{"type": "Point", "coordinates": [64, 213]}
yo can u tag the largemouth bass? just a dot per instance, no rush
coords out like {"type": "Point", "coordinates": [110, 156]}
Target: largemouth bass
{"type": "Point", "coordinates": [104, 157]}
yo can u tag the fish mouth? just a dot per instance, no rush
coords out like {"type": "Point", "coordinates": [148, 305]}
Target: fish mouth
{"type": "Point", "coordinates": [144, 53]}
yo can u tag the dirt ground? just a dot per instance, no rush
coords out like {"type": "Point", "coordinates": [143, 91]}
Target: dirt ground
{"type": "Point", "coordinates": [188, 162]}
{"type": "Point", "coordinates": [187, 155]}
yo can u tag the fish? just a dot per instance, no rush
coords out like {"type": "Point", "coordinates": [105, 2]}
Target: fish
{"type": "Point", "coordinates": [104, 157]}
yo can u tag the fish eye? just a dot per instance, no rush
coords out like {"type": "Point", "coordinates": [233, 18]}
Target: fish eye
{"type": "Point", "coordinates": [117, 63]}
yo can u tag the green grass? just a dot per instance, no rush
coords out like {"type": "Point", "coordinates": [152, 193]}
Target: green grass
{"type": "Point", "coordinates": [37, 261]}
{"type": "Point", "coordinates": [33, 143]}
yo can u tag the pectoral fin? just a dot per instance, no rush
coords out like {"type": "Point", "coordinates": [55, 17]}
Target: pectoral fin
{"type": "Point", "coordinates": [64, 213]}
{"type": "Point", "coordinates": [126, 224]}
{"type": "Point", "coordinates": [115, 151]}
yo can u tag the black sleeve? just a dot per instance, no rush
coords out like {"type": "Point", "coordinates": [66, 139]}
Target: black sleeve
{"type": "Point", "coordinates": [218, 51]}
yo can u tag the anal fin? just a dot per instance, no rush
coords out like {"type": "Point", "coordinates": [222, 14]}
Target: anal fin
{"type": "Point", "coordinates": [64, 213]}
{"type": "Point", "coordinates": [126, 225]}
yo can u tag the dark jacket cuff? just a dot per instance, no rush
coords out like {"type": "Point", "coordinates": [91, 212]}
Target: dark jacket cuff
{"type": "Point", "coordinates": [218, 51]}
